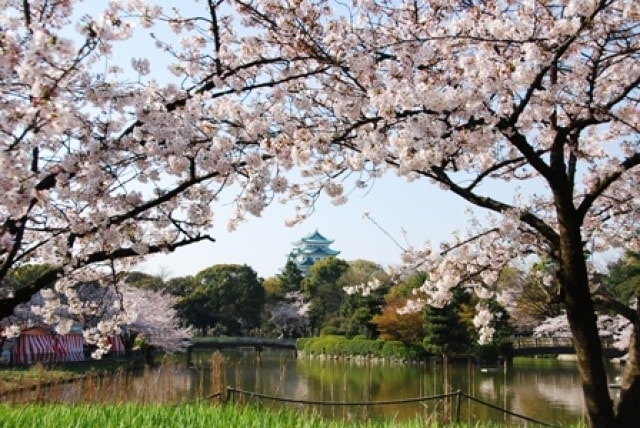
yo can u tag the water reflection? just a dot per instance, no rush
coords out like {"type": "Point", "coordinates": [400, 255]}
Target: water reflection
{"type": "Point", "coordinates": [544, 389]}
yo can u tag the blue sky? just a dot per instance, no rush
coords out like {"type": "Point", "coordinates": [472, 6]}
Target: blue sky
{"type": "Point", "coordinates": [423, 210]}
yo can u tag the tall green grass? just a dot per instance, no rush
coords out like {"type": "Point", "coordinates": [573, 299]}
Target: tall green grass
{"type": "Point", "coordinates": [202, 415]}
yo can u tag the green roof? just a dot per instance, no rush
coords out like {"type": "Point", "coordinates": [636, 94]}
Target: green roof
{"type": "Point", "coordinates": [310, 249]}
{"type": "Point", "coordinates": [318, 251]}
{"type": "Point", "coordinates": [314, 238]}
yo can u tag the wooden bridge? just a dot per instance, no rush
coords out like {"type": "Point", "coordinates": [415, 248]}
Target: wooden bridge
{"type": "Point", "coordinates": [531, 346]}
{"type": "Point", "coordinates": [258, 343]}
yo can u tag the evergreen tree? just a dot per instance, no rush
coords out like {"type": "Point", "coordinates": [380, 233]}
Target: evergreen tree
{"type": "Point", "coordinates": [624, 277]}
{"type": "Point", "coordinates": [291, 277]}
{"type": "Point", "coordinates": [445, 332]}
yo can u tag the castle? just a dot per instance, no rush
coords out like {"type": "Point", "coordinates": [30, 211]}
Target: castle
{"type": "Point", "coordinates": [310, 249]}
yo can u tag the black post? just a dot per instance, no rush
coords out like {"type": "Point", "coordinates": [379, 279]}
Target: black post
{"type": "Point", "coordinates": [458, 404]}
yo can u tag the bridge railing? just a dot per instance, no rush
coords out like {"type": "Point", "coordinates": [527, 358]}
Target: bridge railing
{"type": "Point", "coordinates": [552, 342]}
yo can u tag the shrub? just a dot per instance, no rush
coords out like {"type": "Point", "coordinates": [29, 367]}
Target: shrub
{"type": "Point", "coordinates": [332, 345]}
{"type": "Point", "coordinates": [396, 349]}
{"type": "Point", "coordinates": [362, 346]}
{"type": "Point", "coordinates": [359, 345]}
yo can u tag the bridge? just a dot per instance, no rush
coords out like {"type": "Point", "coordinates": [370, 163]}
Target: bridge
{"type": "Point", "coordinates": [258, 343]}
{"type": "Point", "coordinates": [531, 346]}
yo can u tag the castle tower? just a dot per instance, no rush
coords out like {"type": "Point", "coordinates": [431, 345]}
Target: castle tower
{"type": "Point", "coordinates": [310, 249]}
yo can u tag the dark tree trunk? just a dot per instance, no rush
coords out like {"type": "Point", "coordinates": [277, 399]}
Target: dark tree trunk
{"type": "Point", "coordinates": [628, 412]}
{"type": "Point", "coordinates": [581, 315]}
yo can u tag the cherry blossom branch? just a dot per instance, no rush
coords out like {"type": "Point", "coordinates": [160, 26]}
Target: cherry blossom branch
{"type": "Point", "coordinates": [24, 294]}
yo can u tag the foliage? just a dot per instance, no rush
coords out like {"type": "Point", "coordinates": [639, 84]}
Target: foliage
{"type": "Point", "coordinates": [499, 341]}
{"type": "Point", "coordinates": [194, 309]}
{"type": "Point", "coordinates": [407, 328]}
{"type": "Point", "coordinates": [327, 345]}
{"type": "Point", "coordinates": [143, 280]}
{"type": "Point", "coordinates": [321, 286]}
{"type": "Point", "coordinates": [179, 286]}
{"type": "Point", "coordinates": [359, 345]}
{"type": "Point", "coordinates": [228, 297]}
{"type": "Point", "coordinates": [291, 277]}
{"type": "Point", "coordinates": [332, 330]}
{"type": "Point", "coordinates": [532, 296]}
{"type": "Point", "coordinates": [365, 284]}
{"type": "Point", "coordinates": [22, 276]}
{"type": "Point", "coordinates": [624, 277]}
{"type": "Point", "coordinates": [399, 350]}
{"type": "Point", "coordinates": [445, 331]}
{"type": "Point", "coordinates": [273, 289]}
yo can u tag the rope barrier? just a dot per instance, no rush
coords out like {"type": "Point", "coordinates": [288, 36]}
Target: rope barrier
{"type": "Point", "coordinates": [503, 410]}
{"type": "Point", "coordinates": [231, 390]}
{"type": "Point", "coordinates": [458, 394]}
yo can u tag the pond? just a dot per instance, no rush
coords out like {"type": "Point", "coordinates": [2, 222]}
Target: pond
{"type": "Point", "coordinates": [544, 389]}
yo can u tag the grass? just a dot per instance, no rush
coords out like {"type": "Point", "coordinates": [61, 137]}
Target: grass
{"type": "Point", "coordinates": [25, 377]}
{"type": "Point", "coordinates": [201, 415]}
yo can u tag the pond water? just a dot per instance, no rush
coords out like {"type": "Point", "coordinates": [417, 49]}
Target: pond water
{"type": "Point", "coordinates": [546, 389]}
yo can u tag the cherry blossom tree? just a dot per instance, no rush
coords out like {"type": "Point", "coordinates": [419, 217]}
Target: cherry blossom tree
{"type": "Point", "coordinates": [616, 327]}
{"type": "Point", "coordinates": [103, 162]}
{"type": "Point", "coordinates": [289, 316]}
{"type": "Point", "coordinates": [525, 109]}
{"type": "Point", "coordinates": [102, 310]}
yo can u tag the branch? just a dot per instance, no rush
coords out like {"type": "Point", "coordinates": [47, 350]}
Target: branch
{"type": "Point", "coordinates": [606, 182]}
{"type": "Point", "coordinates": [24, 294]}
{"type": "Point", "coordinates": [608, 301]}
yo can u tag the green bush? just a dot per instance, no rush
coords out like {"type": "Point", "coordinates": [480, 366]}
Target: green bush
{"type": "Point", "coordinates": [396, 349]}
{"type": "Point", "coordinates": [359, 345]}
{"type": "Point", "coordinates": [301, 343]}
{"type": "Point", "coordinates": [330, 345]}
{"type": "Point", "coordinates": [362, 346]}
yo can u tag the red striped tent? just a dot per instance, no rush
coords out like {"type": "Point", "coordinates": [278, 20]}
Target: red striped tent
{"type": "Point", "coordinates": [39, 345]}
{"type": "Point", "coordinates": [117, 345]}
{"type": "Point", "coordinates": [69, 347]}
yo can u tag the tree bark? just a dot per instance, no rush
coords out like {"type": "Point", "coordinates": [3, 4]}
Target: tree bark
{"type": "Point", "coordinates": [582, 320]}
{"type": "Point", "coordinates": [628, 410]}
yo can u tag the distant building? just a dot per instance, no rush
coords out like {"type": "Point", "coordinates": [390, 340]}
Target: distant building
{"type": "Point", "coordinates": [310, 249]}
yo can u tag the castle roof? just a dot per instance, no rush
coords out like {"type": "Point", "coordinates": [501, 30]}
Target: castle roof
{"type": "Point", "coordinates": [314, 238]}
{"type": "Point", "coordinates": [310, 249]}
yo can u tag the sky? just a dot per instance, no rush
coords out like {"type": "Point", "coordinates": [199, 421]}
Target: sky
{"type": "Point", "coordinates": [419, 208]}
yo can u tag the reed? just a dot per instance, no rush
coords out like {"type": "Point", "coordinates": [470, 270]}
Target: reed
{"type": "Point", "coordinates": [217, 377]}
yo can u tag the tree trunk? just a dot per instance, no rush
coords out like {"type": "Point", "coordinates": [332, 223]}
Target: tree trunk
{"type": "Point", "coordinates": [582, 321]}
{"type": "Point", "coordinates": [628, 412]}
